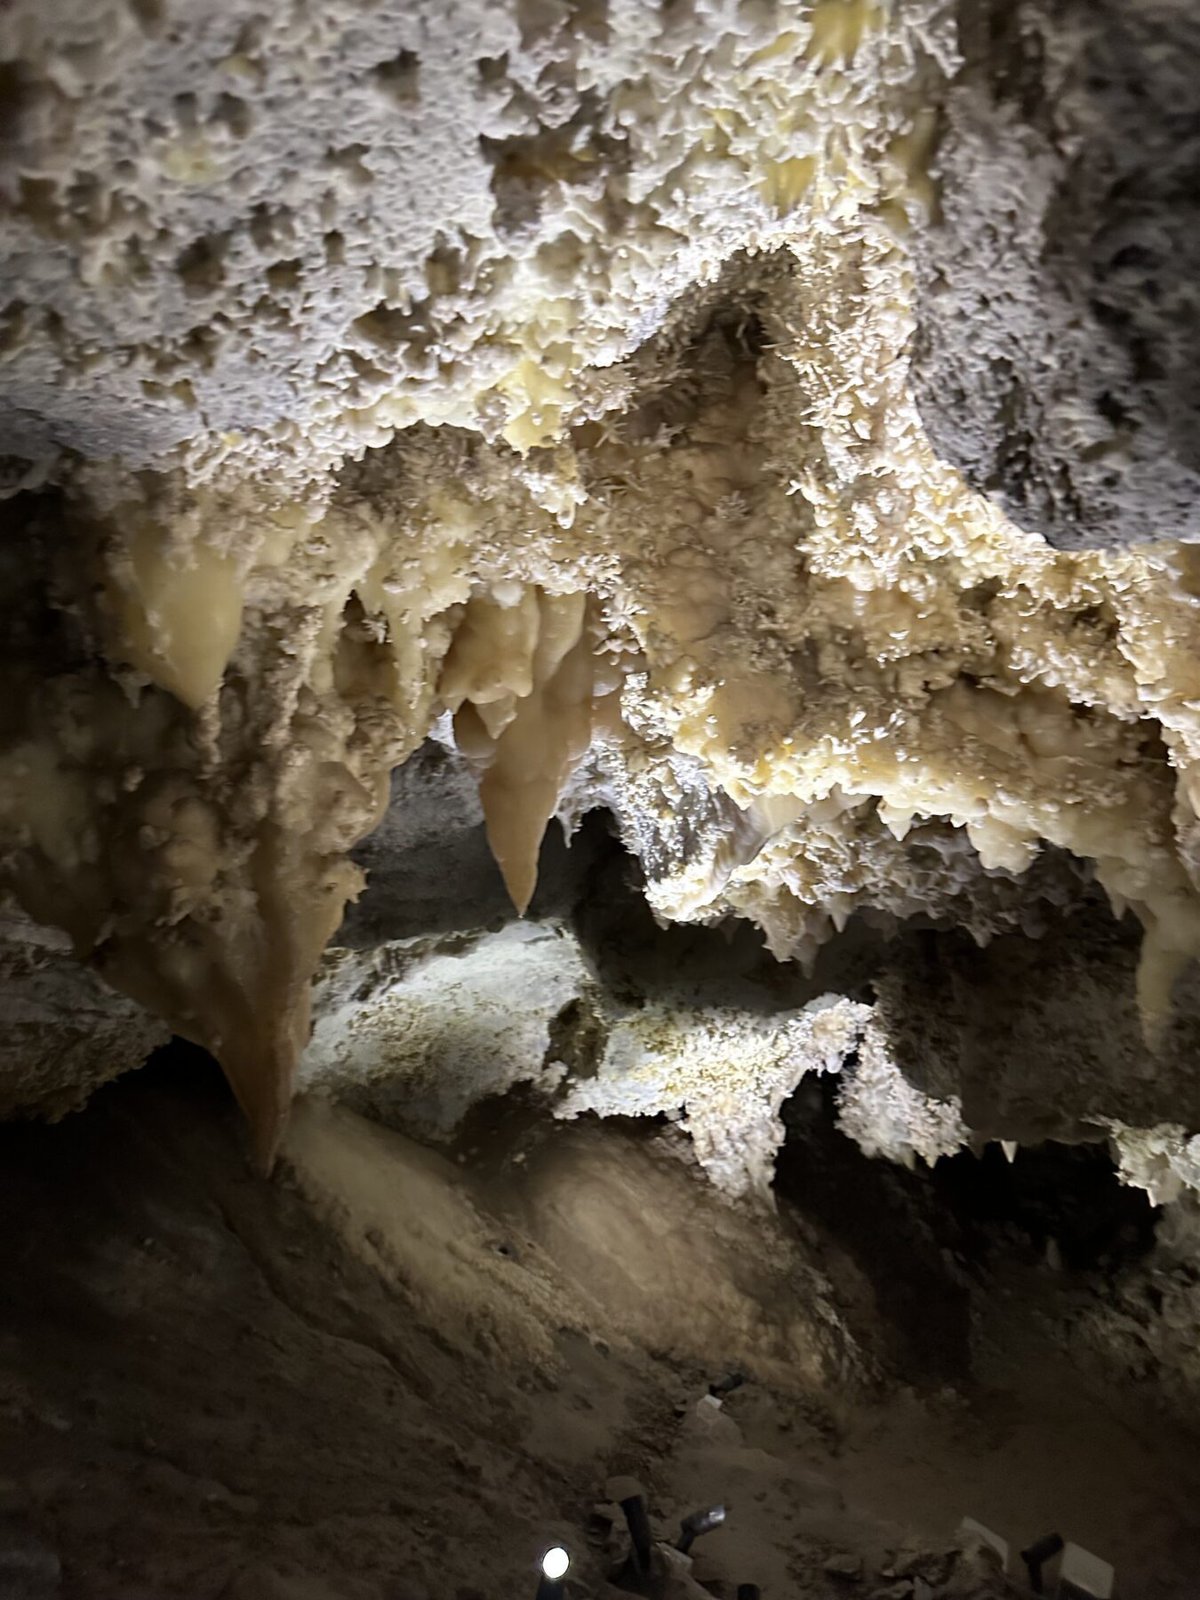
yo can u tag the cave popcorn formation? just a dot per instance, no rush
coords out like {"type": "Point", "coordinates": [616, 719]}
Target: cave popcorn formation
{"type": "Point", "coordinates": [550, 366]}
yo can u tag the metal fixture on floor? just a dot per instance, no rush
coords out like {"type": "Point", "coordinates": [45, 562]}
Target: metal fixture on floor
{"type": "Point", "coordinates": [696, 1523]}
{"type": "Point", "coordinates": [640, 1534]}
{"type": "Point", "coordinates": [1036, 1557]}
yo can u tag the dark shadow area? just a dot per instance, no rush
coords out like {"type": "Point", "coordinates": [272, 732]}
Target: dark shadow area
{"type": "Point", "coordinates": [722, 963]}
{"type": "Point", "coordinates": [430, 872]}
{"type": "Point", "coordinates": [429, 868]}
{"type": "Point", "coordinates": [179, 1062]}
{"type": "Point", "coordinates": [500, 1133]}
{"type": "Point", "coordinates": [1040, 1039]}
{"type": "Point", "coordinates": [1061, 1197]}
{"type": "Point", "coordinates": [886, 1220]}
{"type": "Point", "coordinates": [202, 1387]}
{"type": "Point", "coordinates": [210, 1392]}
{"type": "Point", "coordinates": [921, 1238]}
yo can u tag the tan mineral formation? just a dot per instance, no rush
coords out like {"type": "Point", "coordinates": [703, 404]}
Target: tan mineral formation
{"type": "Point", "coordinates": [691, 399]}
{"type": "Point", "coordinates": [600, 608]}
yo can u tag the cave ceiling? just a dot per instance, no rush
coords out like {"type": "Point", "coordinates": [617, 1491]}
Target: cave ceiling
{"type": "Point", "coordinates": [771, 423]}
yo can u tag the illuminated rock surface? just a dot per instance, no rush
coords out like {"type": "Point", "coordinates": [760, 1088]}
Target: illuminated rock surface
{"type": "Point", "coordinates": [611, 390]}
{"type": "Point", "coordinates": [608, 589]}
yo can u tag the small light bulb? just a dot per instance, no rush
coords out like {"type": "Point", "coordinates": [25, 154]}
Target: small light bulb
{"type": "Point", "coordinates": [555, 1562]}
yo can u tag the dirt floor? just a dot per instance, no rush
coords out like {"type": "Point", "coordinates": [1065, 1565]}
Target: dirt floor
{"type": "Point", "coordinates": [387, 1375]}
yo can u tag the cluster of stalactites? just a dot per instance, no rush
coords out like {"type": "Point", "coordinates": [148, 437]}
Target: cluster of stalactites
{"type": "Point", "coordinates": [522, 678]}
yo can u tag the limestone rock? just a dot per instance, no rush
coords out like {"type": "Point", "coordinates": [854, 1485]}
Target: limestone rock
{"type": "Point", "coordinates": [724, 1072]}
{"type": "Point", "coordinates": [593, 378]}
{"type": "Point", "coordinates": [65, 1032]}
{"type": "Point", "coordinates": [885, 1115]}
{"type": "Point", "coordinates": [415, 1032]}
{"type": "Point", "coordinates": [428, 866]}
{"type": "Point", "coordinates": [1057, 353]}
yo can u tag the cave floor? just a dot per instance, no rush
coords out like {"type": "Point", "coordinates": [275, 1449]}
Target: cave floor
{"type": "Point", "coordinates": [386, 1375]}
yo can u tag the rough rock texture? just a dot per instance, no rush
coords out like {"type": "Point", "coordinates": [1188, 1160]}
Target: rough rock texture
{"type": "Point", "coordinates": [766, 422]}
{"type": "Point", "coordinates": [942, 1040]}
{"type": "Point", "coordinates": [1057, 349]}
{"type": "Point", "coordinates": [1162, 1159]}
{"type": "Point", "coordinates": [208, 202]}
{"type": "Point", "coordinates": [273, 234]}
{"type": "Point", "coordinates": [1150, 1321]}
{"type": "Point", "coordinates": [388, 1375]}
{"type": "Point", "coordinates": [1038, 1039]}
{"type": "Point", "coordinates": [428, 866]}
{"type": "Point", "coordinates": [886, 1115]}
{"type": "Point", "coordinates": [414, 1033]}
{"type": "Point", "coordinates": [724, 1074]}
{"type": "Point", "coordinates": [543, 374]}
{"type": "Point", "coordinates": [65, 1033]}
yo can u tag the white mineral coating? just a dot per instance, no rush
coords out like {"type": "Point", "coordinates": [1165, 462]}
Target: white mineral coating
{"type": "Point", "coordinates": [285, 234]}
{"type": "Point", "coordinates": [886, 1115]}
{"type": "Point", "coordinates": [552, 365]}
{"type": "Point", "coordinates": [1164, 1160]}
{"type": "Point", "coordinates": [417, 1031]}
{"type": "Point", "coordinates": [722, 1073]}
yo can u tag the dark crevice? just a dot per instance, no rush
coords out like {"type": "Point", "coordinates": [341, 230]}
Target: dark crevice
{"type": "Point", "coordinates": [923, 1238]}
{"type": "Point", "coordinates": [179, 1061]}
{"type": "Point", "coordinates": [1062, 1198]}
{"type": "Point", "coordinates": [881, 1217]}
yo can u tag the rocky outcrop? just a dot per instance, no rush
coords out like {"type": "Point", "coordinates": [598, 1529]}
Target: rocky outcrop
{"type": "Point", "coordinates": [416, 1032]}
{"type": "Point", "coordinates": [1057, 348]}
{"type": "Point", "coordinates": [65, 1032]}
{"type": "Point", "coordinates": [571, 383]}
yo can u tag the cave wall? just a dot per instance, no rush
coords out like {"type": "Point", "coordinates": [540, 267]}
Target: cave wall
{"type": "Point", "coordinates": [1056, 360]}
{"type": "Point", "coordinates": [631, 394]}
